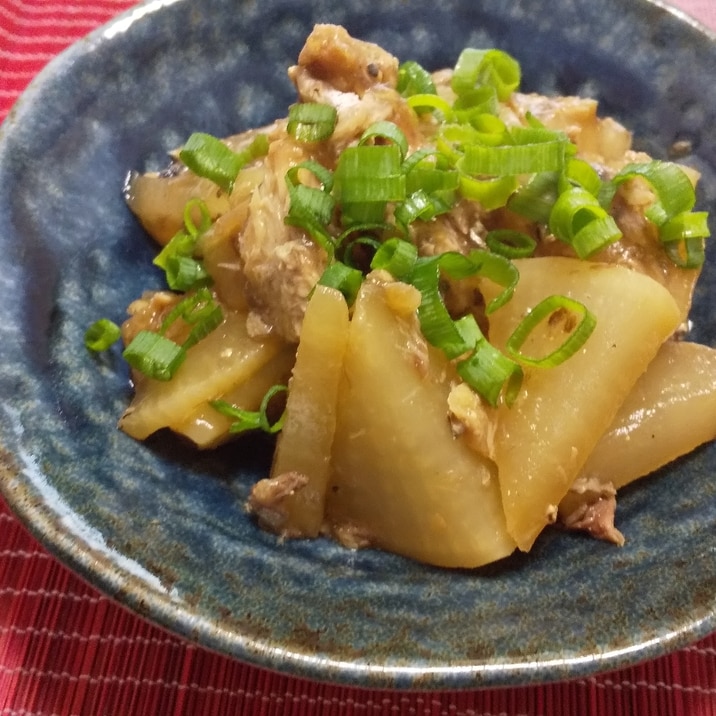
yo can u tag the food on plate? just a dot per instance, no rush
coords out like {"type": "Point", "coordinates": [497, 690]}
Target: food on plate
{"type": "Point", "coordinates": [461, 308]}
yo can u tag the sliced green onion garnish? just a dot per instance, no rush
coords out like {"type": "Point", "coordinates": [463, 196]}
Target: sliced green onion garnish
{"type": "Point", "coordinates": [683, 238]}
{"type": "Point", "coordinates": [535, 199]}
{"type": "Point", "coordinates": [181, 244]}
{"type": "Point", "coordinates": [674, 197]}
{"type": "Point", "coordinates": [419, 205]}
{"type": "Point", "coordinates": [581, 173]}
{"type": "Point", "coordinates": [370, 173]}
{"type": "Point", "coordinates": [435, 322]}
{"type": "Point", "coordinates": [209, 157]}
{"type": "Point", "coordinates": [354, 242]}
{"type": "Point", "coordinates": [397, 257]}
{"type": "Point", "coordinates": [311, 122]}
{"type": "Point", "coordinates": [510, 243]}
{"type": "Point", "coordinates": [542, 311]}
{"type": "Point", "coordinates": [487, 370]}
{"type": "Point", "coordinates": [498, 269]}
{"type": "Point", "coordinates": [508, 159]}
{"type": "Point", "coordinates": [245, 420]}
{"type": "Point", "coordinates": [489, 130]}
{"type": "Point", "coordinates": [184, 273]}
{"type": "Point", "coordinates": [495, 68]}
{"type": "Point", "coordinates": [258, 147]}
{"type": "Point", "coordinates": [578, 220]}
{"type": "Point", "coordinates": [475, 103]}
{"type": "Point", "coordinates": [199, 310]}
{"type": "Point", "coordinates": [672, 188]}
{"type": "Point", "coordinates": [491, 193]}
{"type": "Point", "coordinates": [345, 279]}
{"type": "Point", "coordinates": [688, 253]}
{"type": "Point", "coordinates": [311, 208]}
{"type": "Point", "coordinates": [366, 179]}
{"type": "Point", "coordinates": [154, 355]}
{"type": "Point", "coordinates": [190, 208]}
{"type": "Point", "coordinates": [184, 242]}
{"type": "Point", "coordinates": [101, 335]}
{"type": "Point", "coordinates": [430, 102]}
{"type": "Point", "coordinates": [386, 132]}
{"type": "Point", "coordinates": [414, 79]}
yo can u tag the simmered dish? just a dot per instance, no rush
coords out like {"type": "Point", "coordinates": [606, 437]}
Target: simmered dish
{"type": "Point", "coordinates": [463, 309]}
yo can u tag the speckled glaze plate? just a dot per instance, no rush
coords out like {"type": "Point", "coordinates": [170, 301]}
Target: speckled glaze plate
{"type": "Point", "coordinates": [161, 528]}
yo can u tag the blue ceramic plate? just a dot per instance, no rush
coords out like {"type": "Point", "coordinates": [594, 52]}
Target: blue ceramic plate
{"type": "Point", "coordinates": [160, 527]}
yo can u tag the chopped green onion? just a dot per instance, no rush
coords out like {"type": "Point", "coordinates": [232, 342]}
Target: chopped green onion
{"type": "Point", "coordinates": [350, 247]}
{"type": "Point", "coordinates": [480, 365]}
{"type": "Point", "coordinates": [487, 370]}
{"type": "Point", "coordinates": [370, 173]}
{"type": "Point", "coordinates": [184, 273]}
{"type": "Point", "coordinates": [311, 122]}
{"type": "Point", "coordinates": [426, 172]}
{"type": "Point", "coordinates": [494, 68]}
{"type": "Point", "coordinates": [489, 130]}
{"type": "Point", "coordinates": [413, 79]}
{"type": "Point", "coordinates": [581, 173]}
{"type": "Point", "coordinates": [433, 315]}
{"type": "Point", "coordinates": [672, 188]}
{"type": "Point", "coordinates": [436, 323]}
{"type": "Point", "coordinates": [508, 159]}
{"type": "Point", "coordinates": [476, 103]}
{"type": "Point", "coordinates": [366, 179]}
{"type": "Point", "coordinates": [181, 244]}
{"type": "Point", "coordinates": [510, 243]}
{"type": "Point", "coordinates": [674, 197]}
{"type": "Point", "coordinates": [535, 199]}
{"type": "Point", "coordinates": [683, 238]}
{"type": "Point", "coordinates": [688, 253]}
{"type": "Point", "coordinates": [396, 256]}
{"type": "Point", "coordinates": [245, 420]}
{"type": "Point", "coordinates": [199, 310]}
{"type": "Point", "coordinates": [258, 147]}
{"type": "Point", "coordinates": [498, 269]}
{"type": "Point", "coordinates": [311, 208]}
{"type": "Point", "coordinates": [542, 311]}
{"type": "Point", "coordinates": [491, 193]}
{"type": "Point", "coordinates": [190, 209]}
{"type": "Point", "coordinates": [101, 335]}
{"type": "Point", "coordinates": [385, 132]}
{"type": "Point", "coordinates": [430, 102]}
{"type": "Point", "coordinates": [209, 157]}
{"type": "Point", "coordinates": [154, 355]}
{"type": "Point", "coordinates": [184, 242]}
{"type": "Point", "coordinates": [419, 205]}
{"type": "Point", "coordinates": [578, 220]}
{"type": "Point", "coordinates": [344, 278]}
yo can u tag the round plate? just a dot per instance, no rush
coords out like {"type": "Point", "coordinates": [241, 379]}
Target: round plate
{"type": "Point", "coordinates": [160, 527]}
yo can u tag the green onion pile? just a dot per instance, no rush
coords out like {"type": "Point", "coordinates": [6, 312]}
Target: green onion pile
{"type": "Point", "coordinates": [369, 203]}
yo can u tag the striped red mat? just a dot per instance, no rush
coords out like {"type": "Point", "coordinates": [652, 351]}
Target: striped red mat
{"type": "Point", "coordinates": [66, 649]}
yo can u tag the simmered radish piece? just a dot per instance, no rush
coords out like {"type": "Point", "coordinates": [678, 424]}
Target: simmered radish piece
{"type": "Point", "coordinates": [158, 201]}
{"type": "Point", "coordinates": [304, 444]}
{"type": "Point", "coordinates": [401, 481]}
{"type": "Point", "coordinates": [215, 365]}
{"type": "Point", "coordinates": [219, 253]}
{"type": "Point", "coordinates": [543, 440]}
{"type": "Point", "coordinates": [207, 428]}
{"type": "Point", "coordinates": [670, 411]}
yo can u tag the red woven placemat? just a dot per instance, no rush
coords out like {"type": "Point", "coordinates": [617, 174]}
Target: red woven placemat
{"type": "Point", "coordinates": [66, 649]}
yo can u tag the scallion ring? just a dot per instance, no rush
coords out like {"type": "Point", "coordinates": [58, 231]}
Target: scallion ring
{"type": "Point", "coordinates": [544, 310]}
{"type": "Point", "coordinates": [101, 335]}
